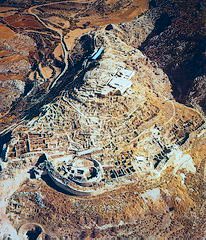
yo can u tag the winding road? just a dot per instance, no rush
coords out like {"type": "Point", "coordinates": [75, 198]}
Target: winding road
{"type": "Point", "coordinates": [67, 58]}
{"type": "Point", "coordinates": [63, 44]}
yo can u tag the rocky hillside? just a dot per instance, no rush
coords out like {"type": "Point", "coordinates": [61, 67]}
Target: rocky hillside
{"type": "Point", "coordinates": [172, 34]}
{"type": "Point", "coordinates": [40, 30]}
{"type": "Point", "coordinates": [177, 43]}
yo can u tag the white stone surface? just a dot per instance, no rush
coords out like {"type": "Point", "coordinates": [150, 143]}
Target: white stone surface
{"type": "Point", "coordinates": [153, 194]}
{"type": "Point", "coordinates": [180, 161]}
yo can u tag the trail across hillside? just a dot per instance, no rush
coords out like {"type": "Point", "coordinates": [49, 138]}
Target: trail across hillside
{"type": "Point", "coordinates": [67, 58]}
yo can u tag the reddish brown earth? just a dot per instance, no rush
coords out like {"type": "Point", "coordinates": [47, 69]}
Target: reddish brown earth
{"type": "Point", "coordinates": [23, 22]}
{"type": "Point", "coordinates": [14, 65]}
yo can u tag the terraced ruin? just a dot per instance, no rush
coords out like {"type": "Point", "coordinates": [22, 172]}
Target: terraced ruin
{"type": "Point", "coordinates": [125, 136]}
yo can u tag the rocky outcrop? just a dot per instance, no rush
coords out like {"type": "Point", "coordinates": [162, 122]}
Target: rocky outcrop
{"type": "Point", "coordinates": [196, 95]}
{"type": "Point", "coordinates": [172, 35]}
{"type": "Point", "coordinates": [14, 65]}
{"type": "Point", "coordinates": [177, 44]}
